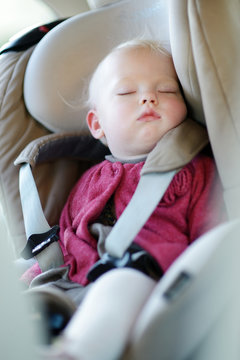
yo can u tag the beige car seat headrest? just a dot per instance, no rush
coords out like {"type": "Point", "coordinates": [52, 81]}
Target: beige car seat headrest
{"type": "Point", "coordinates": [58, 70]}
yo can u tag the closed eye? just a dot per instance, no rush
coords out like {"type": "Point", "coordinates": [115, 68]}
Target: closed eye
{"type": "Point", "coordinates": [167, 91]}
{"type": "Point", "coordinates": [126, 93]}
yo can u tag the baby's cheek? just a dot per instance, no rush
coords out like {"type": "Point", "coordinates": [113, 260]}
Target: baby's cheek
{"type": "Point", "coordinates": [177, 111]}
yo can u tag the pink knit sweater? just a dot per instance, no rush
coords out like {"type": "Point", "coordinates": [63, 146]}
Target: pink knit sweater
{"type": "Point", "coordinates": [189, 208]}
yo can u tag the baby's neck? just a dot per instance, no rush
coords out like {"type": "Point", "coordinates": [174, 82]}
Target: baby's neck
{"type": "Point", "coordinates": [127, 159]}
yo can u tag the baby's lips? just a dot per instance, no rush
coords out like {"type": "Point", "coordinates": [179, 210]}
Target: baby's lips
{"type": "Point", "coordinates": [149, 115]}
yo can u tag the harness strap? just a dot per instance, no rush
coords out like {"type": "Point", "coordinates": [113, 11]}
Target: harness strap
{"type": "Point", "coordinates": [148, 194]}
{"type": "Point", "coordinates": [42, 239]}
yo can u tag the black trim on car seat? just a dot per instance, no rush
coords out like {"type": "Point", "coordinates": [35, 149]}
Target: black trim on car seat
{"type": "Point", "coordinates": [29, 38]}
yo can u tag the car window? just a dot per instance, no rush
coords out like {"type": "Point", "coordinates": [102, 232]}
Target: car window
{"type": "Point", "coordinates": [16, 16]}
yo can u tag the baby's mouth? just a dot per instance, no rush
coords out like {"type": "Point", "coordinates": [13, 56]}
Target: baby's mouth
{"type": "Point", "coordinates": [149, 115]}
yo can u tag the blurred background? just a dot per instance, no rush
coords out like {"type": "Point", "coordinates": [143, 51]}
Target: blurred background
{"type": "Point", "coordinates": [17, 15]}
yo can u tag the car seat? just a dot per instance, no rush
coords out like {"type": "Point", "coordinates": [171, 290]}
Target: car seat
{"type": "Point", "coordinates": [37, 118]}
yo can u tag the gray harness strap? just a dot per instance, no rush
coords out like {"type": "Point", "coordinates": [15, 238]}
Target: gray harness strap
{"type": "Point", "coordinates": [35, 221]}
{"type": "Point", "coordinates": [149, 192]}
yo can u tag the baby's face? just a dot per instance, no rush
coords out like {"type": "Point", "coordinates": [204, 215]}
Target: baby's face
{"type": "Point", "coordinates": [138, 101]}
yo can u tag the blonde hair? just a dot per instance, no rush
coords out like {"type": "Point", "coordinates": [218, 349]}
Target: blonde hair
{"type": "Point", "coordinates": [151, 45]}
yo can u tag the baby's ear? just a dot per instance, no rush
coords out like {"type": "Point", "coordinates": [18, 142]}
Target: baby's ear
{"type": "Point", "coordinates": [94, 124]}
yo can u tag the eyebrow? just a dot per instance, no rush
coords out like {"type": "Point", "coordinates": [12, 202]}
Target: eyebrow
{"type": "Point", "coordinates": [128, 81]}
{"type": "Point", "coordinates": [123, 83]}
{"type": "Point", "coordinates": [172, 83]}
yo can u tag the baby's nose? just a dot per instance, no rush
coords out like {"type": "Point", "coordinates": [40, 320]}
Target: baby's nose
{"type": "Point", "coordinates": [149, 97]}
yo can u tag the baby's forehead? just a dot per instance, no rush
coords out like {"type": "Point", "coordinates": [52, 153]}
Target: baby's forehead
{"type": "Point", "coordinates": [117, 60]}
{"type": "Point", "coordinates": [104, 68]}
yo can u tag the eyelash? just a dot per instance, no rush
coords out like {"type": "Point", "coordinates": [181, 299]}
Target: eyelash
{"type": "Point", "coordinates": [126, 93]}
{"type": "Point", "coordinates": [159, 91]}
